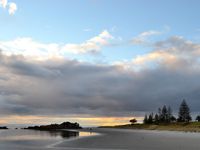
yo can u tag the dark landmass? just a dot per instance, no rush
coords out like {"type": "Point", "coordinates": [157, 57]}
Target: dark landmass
{"type": "Point", "coordinates": [64, 125]}
{"type": "Point", "coordinates": [3, 128]}
{"type": "Point", "coordinates": [187, 127]}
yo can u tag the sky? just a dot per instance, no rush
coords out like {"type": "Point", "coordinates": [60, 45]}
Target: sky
{"type": "Point", "coordinates": [97, 62]}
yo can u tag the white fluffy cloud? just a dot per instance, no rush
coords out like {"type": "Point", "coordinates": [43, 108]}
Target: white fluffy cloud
{"type": "Point", "coordinates": [92, 45]}
{"type": "Point", "coordinates": [11, 6]}
{"type": "Point", "coordinates": [38, 50]}
{"type": "Point", "coordinates": [30, 48]}
{"type": "Point", "coordinates": [3, 3]}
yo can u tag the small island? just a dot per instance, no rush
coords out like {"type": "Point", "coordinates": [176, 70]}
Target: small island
{"type": "Point", "coordinates": [64, 125]}
{"type": "Point", "coordinates": [3, 128]}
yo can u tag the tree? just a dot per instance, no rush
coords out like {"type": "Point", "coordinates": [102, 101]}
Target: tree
{"type": "Point", "coordinates": [156, 119]}
{"type": "Point", "coordinates": [145, 121]}
{"type": "Point", "coordinates": [172, 119]}
{"type": "Point", "coordinates": [159, 114]}
{"type": "Point", "coordinates": [164, 114]}
{"type": "Point", "coordinates": [184, 113]}
{"type": "Point", "coordinates": [150, 119]}
{"type": "Point", "coordinates": [132, 121]}
{"type": "Point", "coordinates": [198, 118]}
{"type": "Point", "coordinates": [169, 114]}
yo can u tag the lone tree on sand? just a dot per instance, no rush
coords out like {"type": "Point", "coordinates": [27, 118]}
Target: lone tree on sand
{"type": "Point", "coordinates": [132, 121]}
{"type": "Point", "coordinates": [184, 113]}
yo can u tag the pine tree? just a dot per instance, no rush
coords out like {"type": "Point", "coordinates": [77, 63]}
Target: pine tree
{"type": "Point", "coordinates": [164, 114]}
{"type": "Point", "coordinates": [145, 121]}
{"type": "Point", "coordinates": [156, 119]}
{"type": "Point", "coordinates": [184, 112]}
{"type": "Point", "coordinates": [159, 114]}
{"type": "Point", "coordinates": [169, 114]}
{"type": "Point", "coordinates": [150, 119]}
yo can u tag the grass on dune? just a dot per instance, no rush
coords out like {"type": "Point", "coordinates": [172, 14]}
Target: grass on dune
{"type": "Point", "coordinates": [187, 127]}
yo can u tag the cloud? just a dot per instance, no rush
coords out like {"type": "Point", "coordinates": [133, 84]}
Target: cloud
{"type": "Point", "coordinates": [171, 52]}
{"type": "Point", "coordinates": [145, 38]}
{"type": "Point", "coordinates": [30, 48]}
{"type": "Point", "coordinates": [171, 69]}
{"type": "Point", "coordinates": [53, 87]}
{"type": "Point", "coordinates": [33, 49]}
{"type": "Point", "coordinates": [142, 37]}
{"type": "Point", "coordinates": [3, 3]}
{"type": "Point", "coordinates": [12, 8]}
{"type": "Point", "coordinates": [66, 92]}
{"type": "Point", "coordinates": [59, 87]}
{"type": "Point", "coordinates": [92, 45]}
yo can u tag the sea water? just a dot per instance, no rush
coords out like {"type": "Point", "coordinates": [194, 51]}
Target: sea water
{"type": "Point", "coordinates": [20, 139]}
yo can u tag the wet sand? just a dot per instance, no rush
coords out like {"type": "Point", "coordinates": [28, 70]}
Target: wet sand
{"type": "Point", "coordinates": [106, 139]}
{"type": "Point", "coordinates": [125, 139]}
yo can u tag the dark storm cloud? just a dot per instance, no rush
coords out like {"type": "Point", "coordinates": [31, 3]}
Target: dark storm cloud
{"type": "Point", "coordinates": [70, 87]}
{"type": "Point", "coordinates": [19, 65]}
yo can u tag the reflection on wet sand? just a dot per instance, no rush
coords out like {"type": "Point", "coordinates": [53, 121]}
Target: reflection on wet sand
{"type": "Point", "coordinates": [36, 134]}
{"type": "Point", "coordinates": [35, 139]}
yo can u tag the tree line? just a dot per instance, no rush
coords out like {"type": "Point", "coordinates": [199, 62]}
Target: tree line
{"type": "Point", "coordinates": [165, 115]}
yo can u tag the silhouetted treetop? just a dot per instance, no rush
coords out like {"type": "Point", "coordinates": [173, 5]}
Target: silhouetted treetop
{"type": "Point", "coordinates": [184, 113]}
{"type": "Point", "coordinates": [164, 115]}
